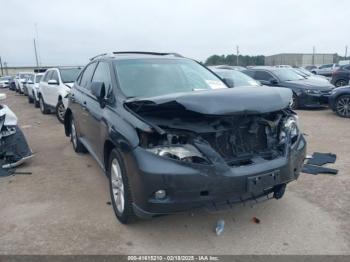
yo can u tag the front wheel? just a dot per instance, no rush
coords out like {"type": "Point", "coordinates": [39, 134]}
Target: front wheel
{"type": "Point", "coordinates": [341, 82]}
{"type": "Point", "coordinates": [30, 100]}
{"type": "Point", "coordinates": [60, 111]}
{"type": "Point", "coordinates": [74, 138]}
{"type": "Point", "coordinates": [342, 106]}
{"type": "Point", "coordinates": [119, 189]}
{"type": "Point", "coordinates": [43, 106]}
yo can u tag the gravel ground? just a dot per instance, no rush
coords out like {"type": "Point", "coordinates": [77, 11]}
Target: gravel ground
{"type": "Point", "coordinates": [62, 207]}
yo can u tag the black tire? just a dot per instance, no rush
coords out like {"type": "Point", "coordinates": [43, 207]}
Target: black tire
{"type": "Point", "coordinates": [30, 100]}
{"type": "Point", "coordinates": [60, 111]}
{"type": "Point", "coordinates": [342, 106]}
{"type": "Point", "coordinates": [127, 215]}
{"type": "Point", "coordinates": [36, 103]}
{"type": "Point", "coordinates": [341, 82]}
{"type": "Point", "coordinates": [74, 138]}
{"type": "Point", "coordinates": [294, 103]}
{"type": "Point", "coordinates": [43, 106]}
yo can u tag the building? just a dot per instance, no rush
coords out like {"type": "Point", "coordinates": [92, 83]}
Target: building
{"type": "Point", "coordinates": [301, 59]}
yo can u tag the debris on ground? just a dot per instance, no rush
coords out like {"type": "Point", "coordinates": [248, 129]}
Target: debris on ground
{"type": "Point", "coordinates": [315, 170]}
{"type": "Point", "coordinates": [256, 220]}
{"type": "Point", "coordinates": [220, 226]}
{"type": "Point", "coordinates": [109, 203]}
{"type": "Point", "coordinates": [321, 159]}
{"type": "Point", "coordinates": [314, 165]}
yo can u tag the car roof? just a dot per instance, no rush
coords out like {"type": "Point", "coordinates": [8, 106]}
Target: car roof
{"type": "Point", "coordinates": [136, 55]}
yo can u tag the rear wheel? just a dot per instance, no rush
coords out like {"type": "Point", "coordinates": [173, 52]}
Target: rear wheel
{"type": "Point", "coordinates": [36, 102]}
{"type": "Point", "coordinates": [342, 106]}
{"type": "Point", "coordinates": [74, 138]}
{"type": "Point", "coordinates": [43, 106]}
{"type": "Point", "coordinates": [30, 100]}
{"type": "Point", "coordinates": [60, 111]}
{"type": "Point", "coordinates": [119, 189]}
{"type": "Point", "coordinates": [341, 82]}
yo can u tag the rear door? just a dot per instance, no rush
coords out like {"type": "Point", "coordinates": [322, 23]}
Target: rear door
{"type": "Point", "coordinates": [95, 121]}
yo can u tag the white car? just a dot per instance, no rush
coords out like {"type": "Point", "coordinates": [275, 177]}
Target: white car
{"type": "Point", "coordinates": [5, 81]}
{"type": "Point", "coordinates": [54, 88]}
{"type": "Point", "coordinates": [33, 89]}
{"type": "Point", "coordinates": [20, 79]}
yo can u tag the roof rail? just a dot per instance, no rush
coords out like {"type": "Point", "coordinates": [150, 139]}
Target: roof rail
{"type": "Point", "coordinates": [147, 53]}
{"type": "Point", "coordinates": [92, 58]}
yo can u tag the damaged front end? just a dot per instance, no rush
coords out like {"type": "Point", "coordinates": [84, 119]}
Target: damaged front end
{"type": "Point", "coordinates": [225, 154]}
{"type": "Point", "coordinates": [14, 149]}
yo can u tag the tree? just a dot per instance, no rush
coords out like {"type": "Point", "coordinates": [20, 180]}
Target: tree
{"type": "Point", "coordinates": [232, 60]}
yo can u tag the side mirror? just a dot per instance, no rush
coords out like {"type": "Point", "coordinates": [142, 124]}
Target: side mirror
{"type": "Point", "coordinates": [99, 91]}
{"type": "Point", "coordinates": [273, 81]}
{"type": "Point", "coordinates": [229, 82]}
{"type": "Point", "coordinates": [52, 82]}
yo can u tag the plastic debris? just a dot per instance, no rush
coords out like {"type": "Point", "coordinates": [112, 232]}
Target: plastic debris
{"type": "Point", "coordinates": [256, 220]}
{"type": "Point", "coordinates": [220, 226]}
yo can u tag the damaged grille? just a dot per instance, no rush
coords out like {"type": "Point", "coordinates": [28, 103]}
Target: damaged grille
{"type": "Point", "coordinates": [246, 138]}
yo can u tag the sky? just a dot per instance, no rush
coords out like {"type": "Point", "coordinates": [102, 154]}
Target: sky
{"type": "Point", "coordinates": [69, 32]}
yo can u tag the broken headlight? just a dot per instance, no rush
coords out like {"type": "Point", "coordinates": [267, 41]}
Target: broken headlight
{"type": "Point", "coordinates": [187, 153]}
{"type": "Point", "coordinates": [290, 127]}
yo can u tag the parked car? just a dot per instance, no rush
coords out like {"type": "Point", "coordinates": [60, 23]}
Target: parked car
{"type": "Point", "coordinates": [305, 73]}
{"type": "Point", "coordinates": [238, 68]}
{"type": "Point", "coordinates": [54, 89]}
{"type": "Point", "coordinates": [283, 66]}
{"type": "Point", "coordinates": [339, 101]}
{"type": "Point", "coordinates": [33, 88]}
{"type": "Point", "coordinates": [171, 136]}
{"type": "Point", "coordinates": [5, 81]}
{"type": "Point", "coordinates": [234, 78]}
{"type": "Point", "coordinates": [19, 80]}
{"type": "Point", "coordinates": [341, 76]}
{"type": "Point", "coordinates": [306, 92]}
{"type": "Point", "coordinates": [12, 83]}
{"type": "Point", "coordinates": [28, 78]}
{"type": "Point", "coordinates": [310, 67]}
{"type": "Point", "coordinates": [325, 70]}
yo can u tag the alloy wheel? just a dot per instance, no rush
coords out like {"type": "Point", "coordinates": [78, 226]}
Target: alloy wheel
{"type": "Point", "coordinates": [341, 83]}
{"type": "Point", "coordinates": [343, 106]}
{"type": "Point", "coordinates": [73, 134]}
{"type": "Point", "coordinates": [61, 111]}
{"type": "Point", "coordinates": [117, 186]}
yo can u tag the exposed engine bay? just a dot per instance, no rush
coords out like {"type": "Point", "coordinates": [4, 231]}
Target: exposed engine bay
{"type": "Point", "coordinates": [235, 139]}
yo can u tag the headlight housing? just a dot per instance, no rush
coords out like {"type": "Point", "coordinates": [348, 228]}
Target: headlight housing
{"type": "Point", "coordinates": [187, 153]}
{"type": "Point", "coordinates": [291, 128]}
{"type": "Point", "coordinates": [313, 91]}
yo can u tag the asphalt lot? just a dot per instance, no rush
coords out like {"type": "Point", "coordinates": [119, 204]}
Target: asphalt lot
{"type": "Point", "coordinates": [62, 207]}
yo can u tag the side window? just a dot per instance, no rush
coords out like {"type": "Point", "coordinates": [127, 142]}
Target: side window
{"type": "Point", "coordinates": [347, 67]}
{"type": "Point", "coordinates": [47, 76]}
{"type": "Point", "coordinates": [87, 75]}
{"type": "Point", "coordinates": [54, 76]}
{"type": "Point", "coordinates": [262, 75]}
{"type": "Point", "coordinates": [103, 74]}
{"type": "Point", "coordinates": [249, 73]}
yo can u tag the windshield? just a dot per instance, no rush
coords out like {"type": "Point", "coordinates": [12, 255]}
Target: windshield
{"type": "Point", "coordinates": [285, 74]}
{"type": "Point", "coordinates": [154, 77]}
{"type": "Point", "coordinates": [38, 78]}
{"type": "Point", "coordinates": [24, 76]}
{"type": "Point", "coordinates": [239, 79]}
{"type": "Point", "coordinates": [69, 75]}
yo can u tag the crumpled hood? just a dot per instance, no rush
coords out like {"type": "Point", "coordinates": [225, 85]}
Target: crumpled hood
{"type": "Point", "coordinates": [243, 100]}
